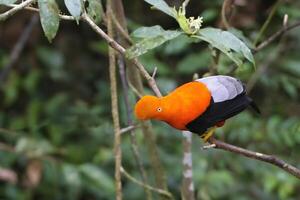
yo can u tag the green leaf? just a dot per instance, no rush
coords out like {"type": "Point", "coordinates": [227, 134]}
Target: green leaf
{"type": "Point", "coordinates": [239, 34]}
{"type": "Point", "coordinates": [162, 6]}
{"type": "Point", "coordinates": [226, 42]}
{"type": "Point", "coordinates": [71, 175]}
{"type": "Point", "coordinates": [194, 62]}
{"type": "Point", "coordinates": [179, 45]}
{"type": "Point", "coordinates": [148, 32]}
{"type": "Point", "coordinates": [97, 177]}
{"type": "Point", "coordinates": [150, 41]}
{"type": "Point", "coordinates": [49, 14]}
{"type": "Point", "coordinates": [74, 7]}
{"type": "Point", "coordinates": [6, 2]}
{"type": "Point", "coordinates": [95, 10]}
{"type": "Point", "coordinates": [72, 180]}
{"type": "Point", "coordinates": [33, 147]}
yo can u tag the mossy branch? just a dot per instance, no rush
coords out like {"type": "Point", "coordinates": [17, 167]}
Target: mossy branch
{"type": "Point", "coordinates": [114, 106]}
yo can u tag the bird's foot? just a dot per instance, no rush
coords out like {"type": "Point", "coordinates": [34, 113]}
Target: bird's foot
{"type": "Point", "coordinates": [208, 134]}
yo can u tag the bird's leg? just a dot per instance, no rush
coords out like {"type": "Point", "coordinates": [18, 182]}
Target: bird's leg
{"type": "Point", "coordinates": [208, 134]}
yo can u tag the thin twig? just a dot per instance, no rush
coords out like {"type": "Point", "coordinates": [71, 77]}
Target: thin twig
{"type": "Point", "coordinates": [258, 156]}
{"type": "Point", "coordinates": [267, 22]}
{"type": "Point", "coordinates": [157, 190]}
{"type": "Point", "coordinates": [128, 129]}
{"type": "Point", "coordinates": [15, 9]}
{"type": "Point", "coordinates": [285, 20]}
{"type": "Point", "coordinates": [30, 8]}
{"type": "Point", "coordinates": [271, 58]}
{"type": "Point", "coordinates": [154, 72]}
{"type": "Point", "coordinates": [269, 40]}
{"type": "Point", "coordinates": [276, 35]}
{"type": "Point", "coordinates": [226, 4]}
{"type": "Point", "coordinates": [114, 109]}
{"type": "Point", "coordinates": [134, 90]}
{"type": "Point", "coordinates": [120, 49]}
{"type": "Point", "coordinates": [159, 174]}
{"type": "Point", "coordinates": [121, 29]}
{"type": "Point", "coordinates": [15, 54]}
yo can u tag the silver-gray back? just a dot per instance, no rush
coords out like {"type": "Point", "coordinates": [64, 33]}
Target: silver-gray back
{"type": "Point", "coordinates": [222, 87]}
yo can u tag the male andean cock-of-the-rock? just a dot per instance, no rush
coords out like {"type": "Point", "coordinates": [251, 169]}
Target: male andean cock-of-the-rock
{"type": "Point", "coordinates": [198, 106]}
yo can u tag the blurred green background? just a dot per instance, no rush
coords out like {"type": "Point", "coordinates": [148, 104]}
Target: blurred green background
{"type": "Point", "coordinates": [56, 135]}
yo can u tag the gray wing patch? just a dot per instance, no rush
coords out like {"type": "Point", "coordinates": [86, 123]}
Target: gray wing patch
{"type": "Point", "coordinates": [222, 88]}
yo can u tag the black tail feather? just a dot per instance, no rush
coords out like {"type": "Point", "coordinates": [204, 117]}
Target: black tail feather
{"type": "Point", "coordinates": [254, 106]}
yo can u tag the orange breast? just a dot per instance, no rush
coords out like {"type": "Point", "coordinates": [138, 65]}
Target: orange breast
{"type": "Point", "coordinates": [185, 104]}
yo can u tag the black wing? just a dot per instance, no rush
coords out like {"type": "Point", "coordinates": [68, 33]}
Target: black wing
{"type": "Point", "coordinates": [221, 110]}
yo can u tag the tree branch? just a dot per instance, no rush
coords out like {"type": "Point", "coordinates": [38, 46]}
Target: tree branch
{"type": "Point", "coordinates": [257, 156]}
{"type": "Point", "coordinates": [124, 39]}
{"type": "Point", "coordinates": [64, 17]}
{"type": "Point", "coordinates": [114, 106]}
{"type": "Point", "coordinates": [157, 190]}
{"type": "Point", "coordinates": [134, 145]}
{"type": "Point", "coordinates": [187, 182]}
{"type": "Point", "coordinates": [15, 9]}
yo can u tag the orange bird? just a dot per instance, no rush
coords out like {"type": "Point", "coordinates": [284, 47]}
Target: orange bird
{"type": "Point", "coordinates": [199, 106]}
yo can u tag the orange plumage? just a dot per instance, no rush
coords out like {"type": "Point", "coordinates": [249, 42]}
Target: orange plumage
{"type": "Point", "coordinates": [177, 108]}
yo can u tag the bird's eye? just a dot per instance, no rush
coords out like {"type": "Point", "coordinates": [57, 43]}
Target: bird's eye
{"type": "Point", "coordinates": [159, 109]}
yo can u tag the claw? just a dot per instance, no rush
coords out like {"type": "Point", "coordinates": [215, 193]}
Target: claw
{"type": "Point", "coordinates": [208, 134]}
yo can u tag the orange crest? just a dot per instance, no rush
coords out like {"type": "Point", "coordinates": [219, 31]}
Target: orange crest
{"type": "Point", "coordinates": [147, 107]}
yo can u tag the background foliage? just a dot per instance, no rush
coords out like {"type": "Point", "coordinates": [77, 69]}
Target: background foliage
{"type": "Point", "coordinates": [56, 132]}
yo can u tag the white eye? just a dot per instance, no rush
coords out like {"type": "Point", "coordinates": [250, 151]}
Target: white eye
{"type": "Point", "coordinates": [159, 109]}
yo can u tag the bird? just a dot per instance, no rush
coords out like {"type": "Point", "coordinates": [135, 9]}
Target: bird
{"type": "Point", "coordinates": [199, 106]}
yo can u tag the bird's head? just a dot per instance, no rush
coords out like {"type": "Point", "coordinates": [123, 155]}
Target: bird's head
{"type": "Point", "coordinates": [148, 107]}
